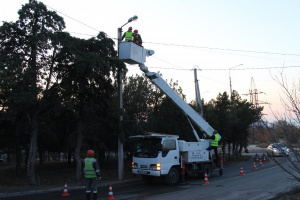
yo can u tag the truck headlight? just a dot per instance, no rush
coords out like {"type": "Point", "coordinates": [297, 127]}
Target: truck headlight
{"type": "Point", "coordinates": [155, 167]}
{"type": "Point", "coordinates": [134, 165]}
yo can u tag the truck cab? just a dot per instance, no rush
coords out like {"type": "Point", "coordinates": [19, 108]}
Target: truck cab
{"type": "Point", "coordinates": [155, 155]}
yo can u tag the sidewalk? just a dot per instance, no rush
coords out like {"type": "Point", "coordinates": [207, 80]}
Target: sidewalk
{"type": "Point", "coordinates": [57, 189]}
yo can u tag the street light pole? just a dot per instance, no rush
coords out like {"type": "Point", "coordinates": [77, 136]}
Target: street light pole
{"type": "Point", "coordinates": [230, 78]}
{"type": "Point", "coordinates": [120, 97]}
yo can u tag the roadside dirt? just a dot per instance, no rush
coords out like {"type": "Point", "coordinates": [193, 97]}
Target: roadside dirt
{"type": "Point", "coordinates": [54, 174]}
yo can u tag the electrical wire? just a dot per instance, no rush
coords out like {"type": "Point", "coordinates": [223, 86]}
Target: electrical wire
{"type": "Point", "coordinates": [223, 69]}
{"type": "Point", "coordinates": [191, 46]}
{"type": "Point", "coordinates": [235, 50]}
{"type": "Point", "coordinates": [182, 45]}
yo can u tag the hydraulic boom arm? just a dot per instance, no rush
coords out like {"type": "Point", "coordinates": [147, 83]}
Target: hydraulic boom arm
{"type": "Point", "coordinates": [187, 109]}
{"type": "Point", "coordinates": [134, 54]}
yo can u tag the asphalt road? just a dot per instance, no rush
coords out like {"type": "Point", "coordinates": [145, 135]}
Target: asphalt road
{"type": "Point", "coordinates": [264, 183]}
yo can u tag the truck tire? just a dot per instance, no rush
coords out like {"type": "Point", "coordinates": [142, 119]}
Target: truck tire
{"type": "Point", "coordinates": [147, 179]}
{"type": "Point", "coordinates": [208, 169]}
{"type": "Point", "coordinates": [173, 176]}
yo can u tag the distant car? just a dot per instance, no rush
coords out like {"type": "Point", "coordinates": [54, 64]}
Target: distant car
{"type": "Point", "coordinates": [277, 149]}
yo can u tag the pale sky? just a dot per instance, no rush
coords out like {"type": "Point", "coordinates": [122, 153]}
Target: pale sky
{"type": "Point", "coordinates": [213, 36]}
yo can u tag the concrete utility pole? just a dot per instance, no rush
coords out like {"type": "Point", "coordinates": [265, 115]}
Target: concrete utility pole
{"type": "Point", "coordinates": [230, 79]}
{"type": "Point", "coordinates": [120, 95]}
{"type": "Point", "coordinates": [197, 90]}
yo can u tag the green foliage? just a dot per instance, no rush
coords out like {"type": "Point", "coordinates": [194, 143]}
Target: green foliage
{"type": "Point", "coordinates": [232, 117]}
{"type": "Point", "coordinates": [57, 80]}
{"type": "Point", "coordinates": [62, 82]}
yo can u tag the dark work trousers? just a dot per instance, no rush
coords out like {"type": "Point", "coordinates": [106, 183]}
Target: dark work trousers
{"type": "Point", "coordinates": [216, 153]}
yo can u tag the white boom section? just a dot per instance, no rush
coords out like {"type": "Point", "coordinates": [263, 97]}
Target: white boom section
{"type": "Point", "coordinates": [187, 109]}
{"type": "Point", "coordinates": [132, 53]}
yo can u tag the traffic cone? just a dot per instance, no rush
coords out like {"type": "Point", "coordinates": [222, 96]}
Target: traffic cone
{"type": "Point", "coordinates": [65, 193]}
{"type": "Point", "coordinates": [242, 172]}
{"type": "Point", "coordinates": [205, 179]}
{"type": "Point", "coordinates": [254, 165]}
{"type": "Point", "coordinates": [110, 193]}
{"type": "Point", "coordinates": [264, 160]}
{"type": "Point", "coordinates": [260, 163]}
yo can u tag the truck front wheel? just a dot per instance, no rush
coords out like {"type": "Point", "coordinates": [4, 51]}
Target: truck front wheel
{"type": "Point", "coordinates": [173, 176]}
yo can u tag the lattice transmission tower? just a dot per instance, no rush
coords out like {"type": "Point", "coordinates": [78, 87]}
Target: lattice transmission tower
{"type": "Point", "coordinates": [257, 131]}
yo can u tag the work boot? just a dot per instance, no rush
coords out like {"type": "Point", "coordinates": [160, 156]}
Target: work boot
{"type": "Point", "coordinates": [94, 196]}
{"type": "Point", "coordinates": [88, 196]}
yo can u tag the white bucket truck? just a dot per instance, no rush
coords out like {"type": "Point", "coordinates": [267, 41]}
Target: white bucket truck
{"type": "Point", "coordinates": [161, 155]}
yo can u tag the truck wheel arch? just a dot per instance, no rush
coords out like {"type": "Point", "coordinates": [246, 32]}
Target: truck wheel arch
{"type": "Point", "coordinates": [172, 177]}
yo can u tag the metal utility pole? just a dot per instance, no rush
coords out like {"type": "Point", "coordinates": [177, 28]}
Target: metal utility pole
{"type": "Point", "coordinates": [120, 96]}
{"type": "Point", "coordinates": [253, 93]}
{"type": "Point", "coordinates": [197, 91]}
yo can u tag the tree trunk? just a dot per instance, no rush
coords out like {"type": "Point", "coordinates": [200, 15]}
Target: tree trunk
{"type": "Point", "coordinates": [41, 154]}
{"type": "Point", "coordinates": [77, 157]}
{"type": "Point", "coordinates": [18, 154]}
{"type": "Point", "coordinates": [32, 153]}
{"type": "Point", "coordinates": [229, 151]}
{"type": "Point", "coordinates": [240, 149]}
{"type": "Point", "coordinates": [8, 154]}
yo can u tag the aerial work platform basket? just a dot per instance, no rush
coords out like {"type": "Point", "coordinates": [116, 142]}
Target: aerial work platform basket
{"type": "Point", "coordinates": [132, 53]}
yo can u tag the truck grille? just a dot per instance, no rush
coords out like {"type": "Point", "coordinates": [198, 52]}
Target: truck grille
{"type": "Point", "coordinates": [143, 167]}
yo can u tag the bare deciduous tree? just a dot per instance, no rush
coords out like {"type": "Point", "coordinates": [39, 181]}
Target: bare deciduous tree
{"type": "Point", "coordinates": [286, 128]}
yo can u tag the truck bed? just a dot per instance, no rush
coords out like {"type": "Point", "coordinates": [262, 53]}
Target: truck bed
{"type": "Point", "coordinates": [194, 151]}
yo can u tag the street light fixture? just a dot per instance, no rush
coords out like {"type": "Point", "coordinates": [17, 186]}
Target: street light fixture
{"type": "Point", "coordinates": [230, 78]}
{"type": "Point", "coordinates": [120, 96]}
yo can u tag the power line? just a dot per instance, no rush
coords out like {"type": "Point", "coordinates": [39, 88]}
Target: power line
{"type": "Point", "coordinates": [221, 49]}
{"type": "Point", "coordinates": [73, 18]}
{"type": "Point", "coordinates": [222, 69]}
{"type": "Point", "coordinates": [181, 45]}
{"type": "Point", "coordinates": [255, 68]}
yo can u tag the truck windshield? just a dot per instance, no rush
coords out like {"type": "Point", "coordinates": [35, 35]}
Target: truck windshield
{"type": "Point", "coordinates": [147, 148]}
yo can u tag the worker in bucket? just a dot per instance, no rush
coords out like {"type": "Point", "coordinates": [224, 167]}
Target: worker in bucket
{"type": "Point", "coordinates": [214, 145]}
{"type": "Point", "coordinates": [128, 35]}
{"type": "Point", "coordinates": [91, 171]}
{"type": "Point", "coordinates": [137, 37]}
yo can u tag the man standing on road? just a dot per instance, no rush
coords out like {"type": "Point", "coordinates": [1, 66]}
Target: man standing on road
{"type": "Point", "coordinates": [91, 171]}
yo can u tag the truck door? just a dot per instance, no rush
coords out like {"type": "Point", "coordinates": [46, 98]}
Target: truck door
{"type": "Point", "coordinates": [170, 155]}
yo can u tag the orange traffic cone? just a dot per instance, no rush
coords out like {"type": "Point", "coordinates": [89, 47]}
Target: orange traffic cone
{"type": "Point", "coordinates": [254, 165]}
{"type": "Point", "coordinates": [242, 172]}
{"type": "Point", "coordinates": [65, 193]}
{"type": "Point", "coordinates": [260, 163]}
{"type": "Point", "coordinates": [205, 179]}
{"type": "Point", "coordinates": [265, 158]}
{"type": "Point", "coordinates": [110, 193]}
